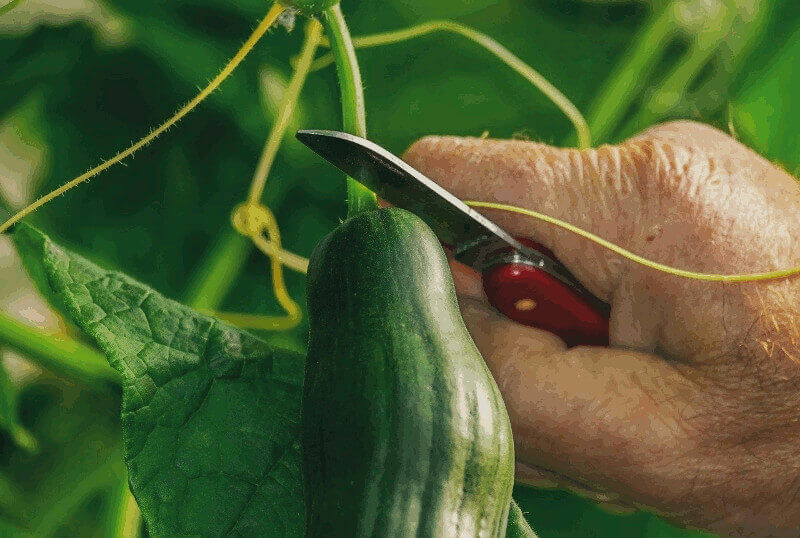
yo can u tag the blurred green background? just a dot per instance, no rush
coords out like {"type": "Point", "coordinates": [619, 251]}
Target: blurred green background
{"type": "Point", "coordinates": [81, 79]}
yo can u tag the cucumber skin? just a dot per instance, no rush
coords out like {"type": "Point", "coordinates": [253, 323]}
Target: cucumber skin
{"type": "Point", "coordinates": [404, 429]}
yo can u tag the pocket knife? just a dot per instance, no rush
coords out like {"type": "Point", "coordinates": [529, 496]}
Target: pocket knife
{"type": "Point", "coordinates": [521, 278]}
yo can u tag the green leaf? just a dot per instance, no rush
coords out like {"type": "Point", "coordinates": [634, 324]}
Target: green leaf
{"type": "Point", "coordinates": [210, 414]}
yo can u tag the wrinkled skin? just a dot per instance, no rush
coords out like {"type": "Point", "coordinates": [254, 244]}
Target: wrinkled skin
{"type": "Point", "coordinates": [694, 410]}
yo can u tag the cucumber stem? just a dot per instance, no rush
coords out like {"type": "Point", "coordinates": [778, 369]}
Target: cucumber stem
{"type": "Point", "coordinates": [359, 198]}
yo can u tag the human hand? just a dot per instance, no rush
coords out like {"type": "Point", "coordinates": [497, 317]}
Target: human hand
{"type": "Point", "coordinates": [694, 410]}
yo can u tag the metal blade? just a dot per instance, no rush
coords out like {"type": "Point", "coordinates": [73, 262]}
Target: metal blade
{"type": "Point", "coordinates": [473, 237]}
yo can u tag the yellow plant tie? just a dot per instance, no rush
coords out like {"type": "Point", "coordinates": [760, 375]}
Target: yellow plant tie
{"type": "Point", "coordinates": [683, 273]}
{"type": "Point", "coordinates": [255, 221]}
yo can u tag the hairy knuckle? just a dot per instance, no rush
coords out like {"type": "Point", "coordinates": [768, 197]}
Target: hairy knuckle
{"type": "Point", "coordinates": [679, 179]}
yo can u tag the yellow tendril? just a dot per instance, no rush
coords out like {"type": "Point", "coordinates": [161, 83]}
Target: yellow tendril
{"type": "Point", "coordinates": [255, 221]}
{"type": "Point", "coordinates": [259, 224]}
{"type": "Point", "coordinates": [499, 51]}
{"type": "Point", "coordinates": [251, 42]}
{"type": "Point", "coordinates": [287, 107]}
{"type": "Point", "coordinates": [712, 277]}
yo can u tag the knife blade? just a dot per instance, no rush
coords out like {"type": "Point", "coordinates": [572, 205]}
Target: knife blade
{"type": "Point", "coordinates": [475, 240]}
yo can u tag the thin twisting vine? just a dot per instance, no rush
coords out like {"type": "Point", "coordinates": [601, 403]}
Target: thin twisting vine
{"type": "Point", "coordinates": [627, 254]}
{"type": "Point", "coordinates": [259, 224]}
{"type": "Point", "coordinates": [506, 56]}
{"type": "Point", "coordinates": [287, 107]}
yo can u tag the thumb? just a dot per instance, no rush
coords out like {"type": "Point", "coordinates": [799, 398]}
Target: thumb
{"type": "Point", "coordinates": [593, 189]}
{"type": "Point", "coordinates": [619, 422]}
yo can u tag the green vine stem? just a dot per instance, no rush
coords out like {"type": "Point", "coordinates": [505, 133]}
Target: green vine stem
{"type": "Point", "coordinates": [287, 107]}
{"type": "Point", "coordinates": [359, 198]}
{"type": "Point", "coordinates": [506, 56]}
{"type": "Point", "coordinates": [58, 354]}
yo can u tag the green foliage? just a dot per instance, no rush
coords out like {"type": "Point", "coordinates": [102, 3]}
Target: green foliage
{"type": "Point", "coordinates": [57, 490]}
{"type": "Point", "coordinates": [763, 116]}
{"type": "Point", "coordinates": [210, 413]}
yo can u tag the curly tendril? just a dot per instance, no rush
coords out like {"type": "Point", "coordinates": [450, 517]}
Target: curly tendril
{"type": "Point", "coordinates": [257, 222]}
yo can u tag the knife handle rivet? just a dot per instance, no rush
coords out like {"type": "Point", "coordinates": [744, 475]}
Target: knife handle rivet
{"type": "Point", "coordinates": [525, 305]}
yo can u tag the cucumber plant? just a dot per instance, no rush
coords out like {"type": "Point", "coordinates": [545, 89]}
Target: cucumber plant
{"type": "Point", "coordinates": [213, 419]}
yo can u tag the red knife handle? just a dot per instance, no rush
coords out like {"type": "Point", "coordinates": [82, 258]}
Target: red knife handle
{"type": "Point", "coordinates": [532, 296]}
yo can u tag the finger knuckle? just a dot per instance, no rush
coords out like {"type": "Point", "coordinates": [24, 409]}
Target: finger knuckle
{"type": "Point", "coordinates": [673, 171]}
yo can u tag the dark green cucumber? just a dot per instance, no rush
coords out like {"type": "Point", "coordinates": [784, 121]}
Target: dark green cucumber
{"type": "Point", "coordinates": [405, 432]}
